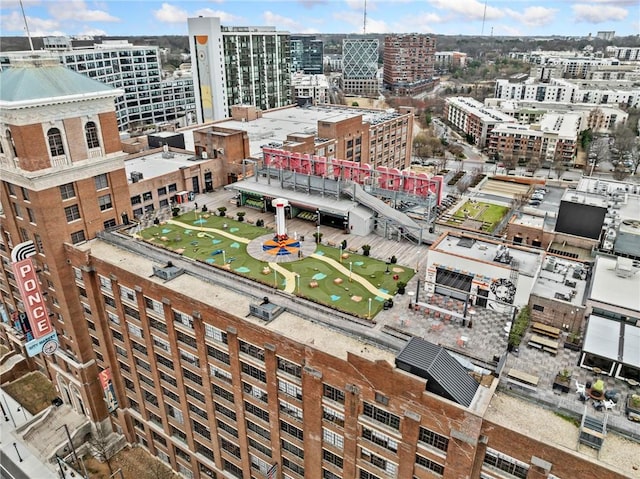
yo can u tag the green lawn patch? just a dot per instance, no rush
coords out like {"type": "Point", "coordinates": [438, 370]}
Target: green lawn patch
{"type": "Point", "coordinates": [34, 391]}
{"type": "Point", "coordinates": [487, 213]}
{"type": "Point", "coordinates": [319, 280]}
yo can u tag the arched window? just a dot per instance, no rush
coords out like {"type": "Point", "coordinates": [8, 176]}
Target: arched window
{"type": "Point", "coordinates": [11, 143]}
{"type": "Point", "coordinates": [55, 142]}
{"type": "Point", "coordinates": [91, 133]}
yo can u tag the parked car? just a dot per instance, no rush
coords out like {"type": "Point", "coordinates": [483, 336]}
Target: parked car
{"type": "Point", "coordinates": [537, 197]}
{"type": "Point", "coordinates": [534, 203]}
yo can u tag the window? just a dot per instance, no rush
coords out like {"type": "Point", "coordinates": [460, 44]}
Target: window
{"type": "Point", "coordinates": [78, 237]}
{"type": "Point", "coordinates": [251, 350]}
{"type": "Point", "coordinates": [228, 429]}
{"type": "Point", "coordinates": [293, 449]}
{"type": "Point", "coordinates": [136, 200]}
{"type": "Point", "coordinates": [289, 367]}
{"type": "Point", "coordinates": [183, 319]}
{"type": "Point", "coordinates": [380, 439]}
{"type": "Point", "coordinates": [200, 429]}
{"type": "Point", "coordinates": [223, 393]}
{"type": "Point", "coordinates": [333, 416]}
{"type": "Point", "coordinates": [293, 466]}
{"type": "Point", "coordinates": [256, 392]}
{"type": "Point", "coordinates": [429, 464]}
{"type": "Point", "coordinates": [56, 146]}
{"type": "Point", "coordinates": [215, 334]}
{"type": "Point", "coordinates": [332, 458]}
{"type": "Point", "coordinates": [101, 181]}
{"type": "Point", "coordinates": [330, 437]}
{"type": "Point", "coordinates": [290, 409]}
{"type": "Point", "coordinates": [105, 202]}
{"type": "Point", "coordinates": [251, 426]}
{"type": "Point", "coordinates": [382, 416]}
{"type": "Point", "coordinates": [230, 447]}
{"type": "Point", "coordinates": [72, 213]}
{"type": "Point", "coordinates": [220, 373]}
{"type": "Point", "coordinates": [329, 475]}
{"type": "Point", "coordinates": [31, 215]}
{"type": "Point", "coordinates": [38, 242]}
{"type": "Point", "coordinates": [91, 134]}
{"type": "Point", "coordinates": [259, 464]}
{"type": "Point", "coordinates": [196, 378]}
{"type": "Point", "coordinates": [253, 372]}
{"type": "Point", "coordinates": [217, 354]}
{"type": "Point", "coordinates": [173, 187]}
{"type": "Point", "coordinates": [292, 430]}
{"type": "Point", "coordinates": [146, 196]}
{"type": "Point", "coordinates": [225, 411]}
{"type": "Point", "coordinates": [290, 389]}
{"type": "Point", "coordinates": [333, 393]}
{"type": "Point", "coordinates": [256, 411]}
{"type": "Point", "coordinates": [433, 439]}
{"type": "Point", "coordinates": [109, 223]}
{"type": "Point", "coordinates": [367, 475]}
{"type": "Point", "coordinates": [162, 191]}
{"type": "Point", "coordinates": [505, 463]}
{"type": "Point", "coordinates": [25, 193]}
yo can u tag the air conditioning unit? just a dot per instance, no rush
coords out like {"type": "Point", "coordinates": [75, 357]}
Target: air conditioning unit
{"type": "Point", "coordinates": [136, 176]}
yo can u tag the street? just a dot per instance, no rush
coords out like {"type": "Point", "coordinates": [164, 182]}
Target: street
{"type": "Point", "coordinates": [8, 469]}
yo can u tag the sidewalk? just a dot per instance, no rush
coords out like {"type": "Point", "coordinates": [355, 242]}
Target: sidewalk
{"type": "Point", "coordinates": [13, 450]}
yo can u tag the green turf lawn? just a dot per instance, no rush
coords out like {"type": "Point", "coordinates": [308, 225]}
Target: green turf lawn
{"type": "Point", "coordinates": [492, 214]}
{"type": "Point", "coordinates": [338, 296]}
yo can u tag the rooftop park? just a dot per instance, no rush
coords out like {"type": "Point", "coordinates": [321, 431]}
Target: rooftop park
{"type": "Point", "coordinates": [353, 283]}
{"type": "Point", "coordinates": [478, 215]}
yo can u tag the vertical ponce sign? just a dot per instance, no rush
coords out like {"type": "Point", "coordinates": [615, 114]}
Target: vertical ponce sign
{"type": "Point", "coordinates": [33, 300]}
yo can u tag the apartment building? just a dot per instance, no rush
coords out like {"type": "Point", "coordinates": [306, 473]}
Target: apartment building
{"type": "Point", "coordinates": [630, 54]}
{"type": "Point", "coordinates": [315, 87]}
{"type": "Point", "coordinates": [598, 118]}
{"type": "Point", "coordinates": [360, 67]}
{"type": "Point", "coordinates": [238, 66]}
{"type": "Point", "coordinates": [471, 117]}
{"type": "Point", "coordinates": [606, 92]}
{"type": "Point", "coordinates": [445, 61]}
{"type": "Point", "coordinates": [408, 63]}
{"type": "Point", "coordinates": [553, 139]}
{"type": "Point", "coordinates": [307, 54]}
{"type": "Point", "coordinates": [200, 380]}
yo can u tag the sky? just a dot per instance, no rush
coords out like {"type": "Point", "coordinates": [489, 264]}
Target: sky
{"type": "Point", "coordinates": [445, 17]}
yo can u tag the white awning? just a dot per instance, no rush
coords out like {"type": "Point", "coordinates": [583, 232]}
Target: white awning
{"type": "Point", "coordinates": [631, 349]}
{"type": "Point", "coordinates": [602, 337]}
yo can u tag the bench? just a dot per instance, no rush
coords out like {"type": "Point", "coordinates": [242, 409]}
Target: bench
{"type": "Point", "coordinates": [331, 243]}
{"type": "Point", "coordinates": [522, 379]}
{"type": "Point", "coordinates": [543, 344]}
{"type": "Point", "coordinates": [546, 330]}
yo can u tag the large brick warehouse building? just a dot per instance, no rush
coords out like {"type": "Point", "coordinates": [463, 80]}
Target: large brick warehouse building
{"type": "Point", "coordinates": [204, 385]}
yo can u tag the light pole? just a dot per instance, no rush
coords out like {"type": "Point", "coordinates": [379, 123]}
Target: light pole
{"type": "Point", "coordinates": [24, 413]}
{"type": "Point", "coordinates": [17, 452]}
{"type": "Point", "coordinates": [298, 282]}
{"type": "Point", "coordinates": [73, 448]}
{"type": "Point", "coordinates": [350, 270]}
{"type": "Point", "coordinates": [8, 409]}
{"type": "Point", "coordinates": [224, 257]}
{"type": "Point", "coordinates": [369, 315]}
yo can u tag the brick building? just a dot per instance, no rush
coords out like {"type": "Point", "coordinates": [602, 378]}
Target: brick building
{"type": "Point", "coordinates": [198, 381]}
{"type": "Point", "coordinates": [409, 63]}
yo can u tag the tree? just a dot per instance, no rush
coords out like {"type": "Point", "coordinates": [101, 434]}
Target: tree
{"type": "Point", "coordinates": [100, 445]}
{"type": "Point", "coordinates": [558, 167]}
{"type": "Point", "coordinates": [355, 103]}
{"type": "Point", "coordinates": [158, 470]}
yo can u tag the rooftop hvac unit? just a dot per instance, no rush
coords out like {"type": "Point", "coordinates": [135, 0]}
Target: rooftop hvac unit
{"type": "Point", "coordinates": [136, 176]}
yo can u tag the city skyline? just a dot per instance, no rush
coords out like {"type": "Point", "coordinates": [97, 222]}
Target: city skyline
{"type": "Point", "coordinates": [462, 17]}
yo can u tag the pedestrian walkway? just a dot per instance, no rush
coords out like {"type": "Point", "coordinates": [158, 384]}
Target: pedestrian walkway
{"type": "Point", "coordinates": [17, 458]}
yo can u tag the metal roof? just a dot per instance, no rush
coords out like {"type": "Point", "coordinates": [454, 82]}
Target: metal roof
{"type": "Point", "coordinates": [444, 374]}
{"type": "Point", "coordinates": [33, 79]}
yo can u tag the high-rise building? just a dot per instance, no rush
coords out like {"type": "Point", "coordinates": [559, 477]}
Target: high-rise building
{"type": "Point", "coordinates": [147, 97]}
{"type": "Point", "coordinates": [360, 66]}
{"type": "Point", "coordinates": [307, 54]}
{"type": "Point", "coordinates": [63, 180]}
{"type": "Point", "coordinates": [409, 63]}
{"type": "Point", "coordinates": [238, 66]}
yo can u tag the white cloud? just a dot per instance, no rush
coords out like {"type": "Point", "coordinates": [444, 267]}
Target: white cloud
{"type": "Point", "coordinates": [468, 9]}
{"type": "Point", "coordinates": [312, 3]}
{"type": "Point", "coordinates": [421, 22]}
{"type": "Point", "coordinates": [94, 32]}
{"type": "Point", "coordinates": [534, 16]}
{"type": "Point", "coordinates": [38, 27]}
{"type": "Point", "coordinates": [77, 10]}
{"type": "Point", "coordinates": [224, 17]}
{"type": "Point", "coordinates": [356, 21]}
{"type": "Point", "coordinates": [598, 14]}
{"type": "Point", "coordinates": [7, 4]}
{"type": "Point", "coordinates": [171, 14]}
{"type": "Point", "coordinates": [286, 23]}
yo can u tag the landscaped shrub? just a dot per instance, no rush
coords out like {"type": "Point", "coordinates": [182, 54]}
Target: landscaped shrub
{"type": "Point", "coordinates": [175, 211]}
{"type": "Point", "coordinates": [222, 210]}
{"type": "Point", "coordinates": [519, 327]}
{"type": "Point", "coordinates": [241, 215]}
{"type": "Point", "coordinates": [366, 249]}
